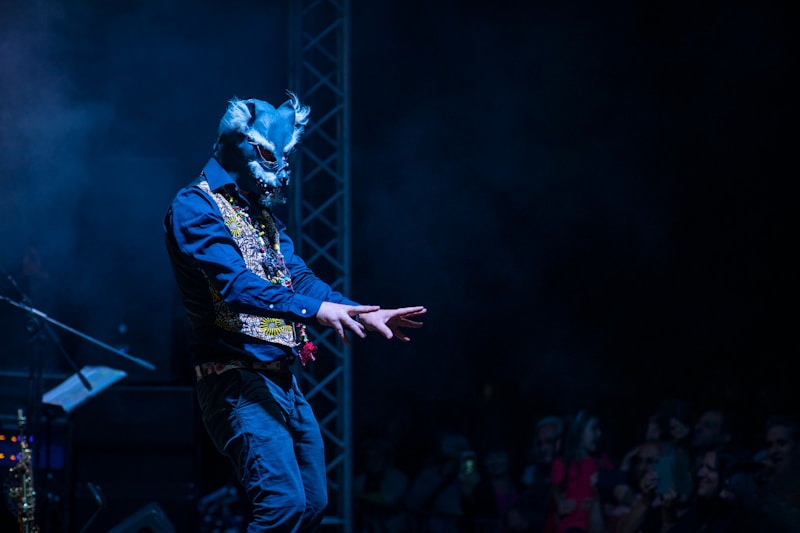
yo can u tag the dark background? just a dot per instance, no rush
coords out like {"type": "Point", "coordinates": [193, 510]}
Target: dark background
{"type": "Point", "coordinates": [592, 199]}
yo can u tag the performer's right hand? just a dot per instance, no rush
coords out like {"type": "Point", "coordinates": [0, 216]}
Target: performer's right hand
{"type": "Point", "coordinates": [341, 317]}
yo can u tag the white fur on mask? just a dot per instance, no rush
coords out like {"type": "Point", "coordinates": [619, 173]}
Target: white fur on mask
{"type": "Point", "coordinates": [238, 116]}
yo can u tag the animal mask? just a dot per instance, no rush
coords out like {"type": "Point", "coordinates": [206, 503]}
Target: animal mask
{"type": "Point", "coordinates": [254, 141]}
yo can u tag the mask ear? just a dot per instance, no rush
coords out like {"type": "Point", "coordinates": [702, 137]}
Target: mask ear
{"type": "Point", "coordinates": [286, 111]}
{"type": "Point", "coordinates": [238, 117]}
{"type": "Point", "coordinates": [251, 106]}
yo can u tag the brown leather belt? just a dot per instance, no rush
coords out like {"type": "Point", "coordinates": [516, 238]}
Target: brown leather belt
{"type": "Point", "coordinates": [205, 369]}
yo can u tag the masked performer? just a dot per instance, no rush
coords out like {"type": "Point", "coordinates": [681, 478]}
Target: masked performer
{"type": "Point", "coordinates": [248, 297]}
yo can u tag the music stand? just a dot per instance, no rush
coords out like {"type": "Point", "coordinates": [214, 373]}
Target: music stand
{"type": "Point", "coordinates": [72, 392]}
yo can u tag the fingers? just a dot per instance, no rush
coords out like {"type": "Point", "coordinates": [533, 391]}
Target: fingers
{"type": "Point", "coordinates": [353, 318]}
{"type": "Point", "coordinates": [357, 327]}
{"type": "Point", "coordinates": [341, 317]}
{"type": "Point", "coordinates": [399, 333]}
{"type": "Point", "coordinates": [361, 318]}
{"type": "Point", "coordinates": [399, 318]}
{"type": "Point", "coordinates": [396, 323]}
{"type": "Point", "coordinates": [384, 330]}
{"type": "Point", "coordinates": [352, 325]}
{"type": "Point", "coordinates": [411, 311]}
{"type": "Point", "coordinates": [349, 321]}
{"type": "Point", "coordinates": [409, 323]}
{"type": "Point", "coordinates": [354, 310]}
{"type": "Point", "coordinates": [340, 332]}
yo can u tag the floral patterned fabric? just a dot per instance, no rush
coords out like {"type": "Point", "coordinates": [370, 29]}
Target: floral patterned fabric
{"type": "Point", "coordinates": [263, 259]}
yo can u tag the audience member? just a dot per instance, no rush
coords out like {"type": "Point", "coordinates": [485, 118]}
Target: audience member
{"type": "Point", "coordinates": [671, 427]}
{"type": "Point", "coordinates": [678, 414]}
{"type": "Point", "coordinates": [434, 497]}
{"type": "Point", "coordinates": [497, 489]}
{"type": "Point", "coordinates": [780, 490]}
{"type": "Point", "coordinates": [713, 428]}
{"type": "Point", "coordinates": [781, 446]}
{"type": "Point", "coordinates": [534, 507]}
{"type": "Point", "coordinates": [545, 444]}
{"type": "Point", "coordinates": [378, 489]}
{"type": "Point", "coordinates": [618, 488]}
{"type": "Point", "coordinates": [657, 429]}
{"type": "Point", "coordinates": [715, 507]}
{"type": "Point", "coordinates": [574, 477]}
{"type": "Point", "coordinates": [646, 483]}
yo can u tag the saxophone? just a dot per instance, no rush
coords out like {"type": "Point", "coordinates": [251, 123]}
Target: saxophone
{"type": "Point", "coordinates": [22, 492]}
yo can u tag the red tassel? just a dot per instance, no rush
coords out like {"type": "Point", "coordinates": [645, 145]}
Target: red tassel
{"type": "Point", "coordinates": [307, 352]}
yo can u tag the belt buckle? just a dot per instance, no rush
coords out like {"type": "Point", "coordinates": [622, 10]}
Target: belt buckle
{"type": "Point", "coordinates": [206, 369]}
{"type": "Point", "coordinates": [278, 365]}
{"type": "Point", "coordinates": [273, 366]}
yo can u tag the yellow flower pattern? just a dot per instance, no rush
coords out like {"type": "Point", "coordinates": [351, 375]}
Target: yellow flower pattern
{"type": "Point", "coordinates": [233, 226]}
{"type": "Point", "coordinates": [275, 326]}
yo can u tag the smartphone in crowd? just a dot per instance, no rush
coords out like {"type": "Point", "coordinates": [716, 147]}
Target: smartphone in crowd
{"type": "Point", "coordinates": [467, 464]}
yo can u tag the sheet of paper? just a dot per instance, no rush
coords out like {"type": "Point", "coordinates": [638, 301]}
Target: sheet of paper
{"type": "Point", "coordinates": [72, 392]}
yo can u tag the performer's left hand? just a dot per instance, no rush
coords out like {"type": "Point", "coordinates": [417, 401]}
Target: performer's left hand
{"type": "Point", "coordinates": [388, 322]}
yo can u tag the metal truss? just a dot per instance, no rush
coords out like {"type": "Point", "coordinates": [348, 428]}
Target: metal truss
{"type": "Point", "coordinates": [320, 220]}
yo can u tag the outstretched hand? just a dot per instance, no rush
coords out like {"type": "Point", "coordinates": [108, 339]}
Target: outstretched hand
{"type": "Point", "coordinates": [389, 322]}
{"type": "Point", "coordinates": [341, 317]}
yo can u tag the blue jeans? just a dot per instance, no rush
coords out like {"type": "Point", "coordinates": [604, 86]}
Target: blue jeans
{"type": "Point", "coordinates": [265, 426]}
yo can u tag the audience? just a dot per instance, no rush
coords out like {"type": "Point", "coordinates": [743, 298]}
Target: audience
{"type": "Point", "coordinates": [684, 473]}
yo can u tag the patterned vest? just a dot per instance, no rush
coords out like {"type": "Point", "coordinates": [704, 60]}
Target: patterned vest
{"type": "Point", "coordinates": [259, 244]}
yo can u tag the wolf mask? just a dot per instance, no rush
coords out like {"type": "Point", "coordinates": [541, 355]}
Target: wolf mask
{"type": "Point", "coordinates": [254, 141]}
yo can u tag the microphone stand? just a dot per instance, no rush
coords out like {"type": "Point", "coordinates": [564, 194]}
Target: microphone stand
{"type": "Point", "coordinates": [36, 312]}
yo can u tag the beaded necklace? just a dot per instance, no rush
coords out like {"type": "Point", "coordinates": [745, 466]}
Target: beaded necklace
{"type": "Point", "coordinates": [274, 264]}
{"type": "Point", "coordinates": [269, 243]}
